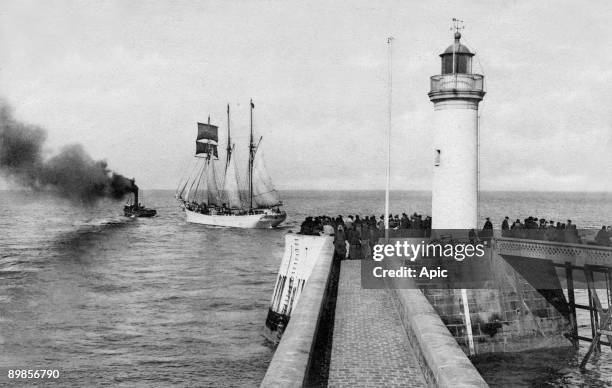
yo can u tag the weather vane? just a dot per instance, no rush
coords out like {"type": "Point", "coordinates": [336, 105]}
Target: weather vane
{"type": "Point", "coordinates": [457, 25]}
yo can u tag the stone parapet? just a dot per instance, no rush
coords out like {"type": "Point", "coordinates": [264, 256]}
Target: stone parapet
{"type": "Point", "coordinates": [291, 361]}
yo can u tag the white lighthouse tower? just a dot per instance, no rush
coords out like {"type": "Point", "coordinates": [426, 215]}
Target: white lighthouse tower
{"type": "Point", "coordinates": [455, 93]}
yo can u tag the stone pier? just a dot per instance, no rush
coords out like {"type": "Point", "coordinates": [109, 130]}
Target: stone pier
{"type": "Point", "coordinates": [379, 337]}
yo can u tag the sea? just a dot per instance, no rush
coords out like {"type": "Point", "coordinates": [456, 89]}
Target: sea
{"type": "Point", "coordinates": [112, 301]}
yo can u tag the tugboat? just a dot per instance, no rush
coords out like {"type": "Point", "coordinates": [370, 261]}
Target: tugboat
{"type": "Point", "coordinates": [136, 209]}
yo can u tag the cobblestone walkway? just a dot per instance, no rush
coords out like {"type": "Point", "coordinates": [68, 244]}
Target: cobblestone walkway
{"type": "Point", "coordinates": [370, 348]}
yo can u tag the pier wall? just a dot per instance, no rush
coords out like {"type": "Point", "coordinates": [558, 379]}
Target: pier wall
{"type": "Point", "coordinates": [295, 352]}
{"type": "Point", "coordinates": [509, 315]}
{"type": "Point", "coordinates": [442, 361]}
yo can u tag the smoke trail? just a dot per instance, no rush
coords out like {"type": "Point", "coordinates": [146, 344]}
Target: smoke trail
{"type": "Point", "coordinates": [71, 173]}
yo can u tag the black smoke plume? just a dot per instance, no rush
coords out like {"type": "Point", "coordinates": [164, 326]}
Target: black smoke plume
{"type": "Point", "coordinates": [71, 173]}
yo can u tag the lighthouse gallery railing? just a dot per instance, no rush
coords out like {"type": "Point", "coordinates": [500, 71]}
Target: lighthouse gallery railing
{"type": "Point", "coordinates": [467, 82]}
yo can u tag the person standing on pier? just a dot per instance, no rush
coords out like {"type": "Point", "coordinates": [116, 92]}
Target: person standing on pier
{"type": "Point", "coordinates": [340, 242]}
{"type": "Point", "coordinates": [488, 225]}
{"type": "Point", "coordinates": [404, 222]}
{"type": "Point", "coordinates": [487, 229]}
{"type": "Point", "coordinates": [381, 223]}
{"type": "Point", "coordinates": [349, 223]}
{"type": "Point", "coordinates": [505, 225]}
{"type": "Point", "coordinates": [472, 236]}
{"type": "Point", "coordinates": [603, 237]}
{"type": "Point", "coordinates": [355, 244]}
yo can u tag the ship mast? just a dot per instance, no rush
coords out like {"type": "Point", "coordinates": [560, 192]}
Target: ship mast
{"type": "Point", "coordinates": [229, 140]}
{"type": "Point", "coordinates": [251, 157]}
{"type": "Point", "coordinates": [208, 153]}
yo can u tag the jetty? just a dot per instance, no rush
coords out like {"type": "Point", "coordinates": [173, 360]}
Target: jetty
{"type": "Point", "coordinates": [340, 326]}
{"type": "Point", "coordinates": [373, 337]}
{"type": "Point", "coordinates": [342, 334]}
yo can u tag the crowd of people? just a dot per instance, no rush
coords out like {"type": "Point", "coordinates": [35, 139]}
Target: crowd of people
{"type": "Point", "coordinates": [203, 208]}
{"type": "Point", "coordinates": [224, 209]}
{"type": "Point", "coordinates": [535, 228]}
{"type": "Point", "coordinates": [355, 235]}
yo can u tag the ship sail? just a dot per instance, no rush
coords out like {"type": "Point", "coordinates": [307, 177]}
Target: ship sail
{"type": "Point", "coordinates": [208, 132]}
{"type": "Point", "coordinates": [231, 190]}
{"type": "Point", "coordinates": [212, 185]}
{"type": "Point", "coordinates": [192, 184]}
{"type": "Point", "coordinates": [264, 193]}
{"type": "Point", "coordinates": [207, 140]}
{"type": "Point", "coordinates": [202, 187]}
{"type": "Point", "coordinates": [206, 148]}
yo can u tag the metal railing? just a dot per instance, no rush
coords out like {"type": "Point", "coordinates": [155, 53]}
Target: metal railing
{"type": "Point", "coordinates": [466, 82]}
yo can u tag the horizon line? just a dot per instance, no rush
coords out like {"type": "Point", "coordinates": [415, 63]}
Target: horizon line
{"type": "Point", "coordinates": [382, 190]}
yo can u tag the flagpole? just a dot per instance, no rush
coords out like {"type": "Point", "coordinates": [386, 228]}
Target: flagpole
{"type": "Point", "coordinates": [390, 52]}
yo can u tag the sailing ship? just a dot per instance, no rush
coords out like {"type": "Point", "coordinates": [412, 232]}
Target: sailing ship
{"type": "Point", "coordinates": [208, 200]}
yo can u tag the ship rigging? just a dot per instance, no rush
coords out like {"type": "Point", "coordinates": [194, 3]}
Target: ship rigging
{"type": "Point", "coordinates": [206, 199]}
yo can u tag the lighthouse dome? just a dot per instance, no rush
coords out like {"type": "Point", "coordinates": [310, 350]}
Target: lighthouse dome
{"type": "Point", "coordinates": [458, 48]}
{"type": "Point", "coordinates": [460, 55]}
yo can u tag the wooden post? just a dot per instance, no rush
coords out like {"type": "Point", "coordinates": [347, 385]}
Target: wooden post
{"type": "Point", "coordinates": [600, 328]}
{"type": "Point", "coordinates": [572, 303]}
{"type": "Point", "coordinates": [593, 318]}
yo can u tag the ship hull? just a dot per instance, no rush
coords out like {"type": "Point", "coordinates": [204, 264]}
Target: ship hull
{"type": "Point", "coordinates": [129, 211]}
{"type": "Point", "coordinates": [140, 213]}
{"type": "Point", "coordinates": [247, 221]}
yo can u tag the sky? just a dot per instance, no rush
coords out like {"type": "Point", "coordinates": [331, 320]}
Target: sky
{"type": "Point", "coordinates": [129, 80]}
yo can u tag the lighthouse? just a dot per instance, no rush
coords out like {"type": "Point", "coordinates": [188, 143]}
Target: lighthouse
{"type": "Point", "coordinates": [455, 93]}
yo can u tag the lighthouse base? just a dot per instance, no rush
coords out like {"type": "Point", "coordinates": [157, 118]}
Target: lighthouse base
{"type": "Point", "coordinates": [509, 317]}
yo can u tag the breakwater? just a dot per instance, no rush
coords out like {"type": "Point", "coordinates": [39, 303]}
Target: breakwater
{"type": "Point", "coordinates": [510, 315]}
{"type": "Point", "coordinates": [362, 340]}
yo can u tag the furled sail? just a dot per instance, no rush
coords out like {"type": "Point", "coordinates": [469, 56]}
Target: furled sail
{"type": "Point", "coordinates": [212, 186]}
{"type": "Point", "coordinates": [231, 191]}
{"type": "Point", "coordinates": [264, 193]}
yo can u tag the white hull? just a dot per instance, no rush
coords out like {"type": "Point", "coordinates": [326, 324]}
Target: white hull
{"type": "Point", "coordinates": [250, 221]}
